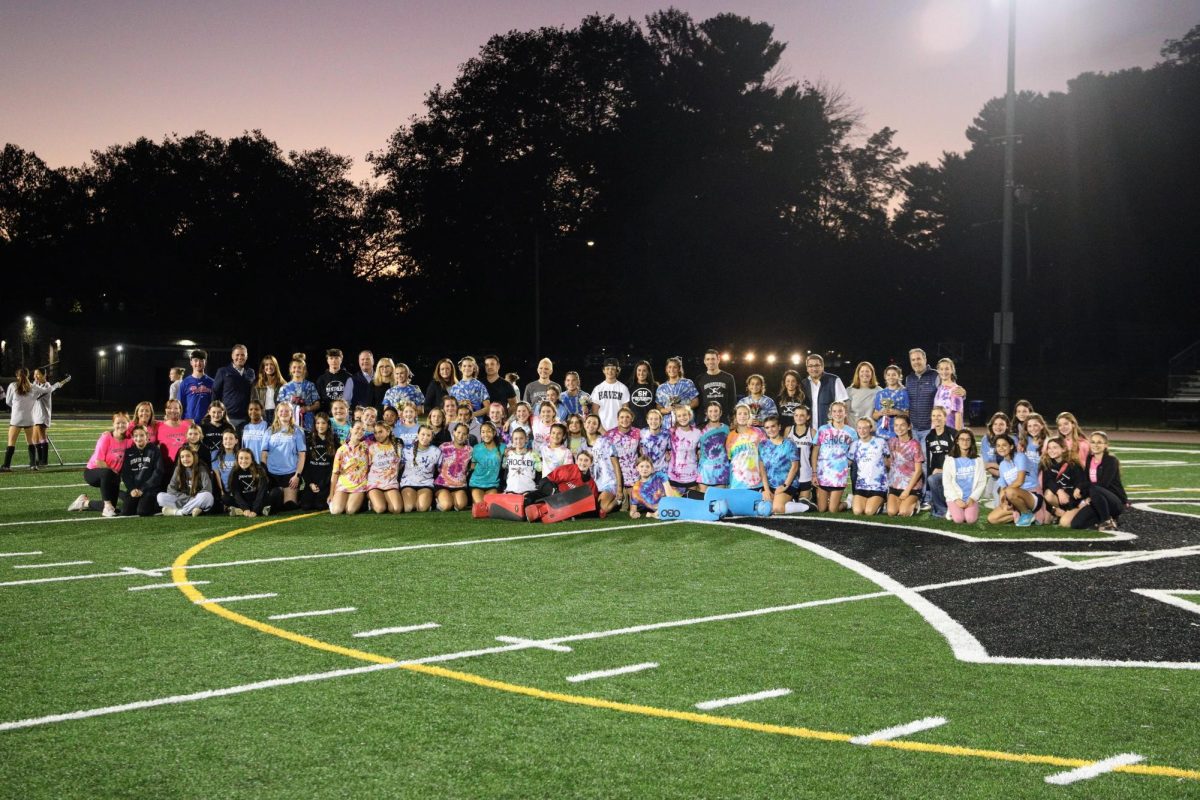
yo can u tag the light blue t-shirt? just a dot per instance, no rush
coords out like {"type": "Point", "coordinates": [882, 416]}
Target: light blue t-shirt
{"type": "Point", "coordinates": [283, 451]}
{"type": "Point", "coordinates": [254, 435]}
{"type": "Point", "coordinates": [1009, 468]}
{"type": "Point", "coordinates": [964, 475]}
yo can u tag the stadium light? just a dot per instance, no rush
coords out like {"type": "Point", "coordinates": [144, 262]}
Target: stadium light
{"type": "Point", "coordinates": [28, 320]}
{"type": "Point", "coordinates": [591, 242]}
{"type": "Point", "coordinates": [120, 348]}
{"type": "Point", "coordinates": [103, 353]}
{"type": "Point", "coordinates": [749, 356]}
{"type": "Point", "coordinates": [771, 358]}
{"type": "Point", "coordinates": [795, 359]}
{"type": "Point", "coordinates": [186, 343]}
{"type": "Point", "coordinates": [58, 344]}
{"type": "Point", "coordinates": [726, 356]}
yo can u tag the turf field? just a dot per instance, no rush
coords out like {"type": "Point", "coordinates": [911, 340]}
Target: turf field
{"type": "Point", "coordinates": [454, 657]}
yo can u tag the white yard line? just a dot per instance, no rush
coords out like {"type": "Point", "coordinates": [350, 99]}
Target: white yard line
{"type": "Point", "coordinates": [609, 673]}
{"type": "Point", "coordinates": [1115, 536]}
{"type": "Point", "coordinates": [322, 613]}
{"type": "Point", "coordinates": [235, 598]}
{"type": "Point", "coordinates": [424, 626]}
{"type": "Point", "coordinates": [191, 698]}
{"type": "Point", "coordinates": [541, 645]}
{"type": "Point", "coordinates": [143, 587]}
{"type": "Point", "coordinates": [17, 555]}
{"type": "Point", "coordinates": [897, 731]}
{"type": "Point", "coordinates": [1171, 597]}
{"type": "Point", "coordinates": [1094, 770]}
{"type": "Point", "coordinates": [708, 705]}
{"type": "Point", "coordinates": [87, 518]}
{"type": "Point", "coordinates": [55, 564]}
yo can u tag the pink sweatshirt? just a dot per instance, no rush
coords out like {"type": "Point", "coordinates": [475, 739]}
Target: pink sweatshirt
{"type": "Point", "coordinates": [110, 452]}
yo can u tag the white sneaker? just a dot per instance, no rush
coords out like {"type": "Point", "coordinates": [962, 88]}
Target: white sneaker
{"type": "Point", "coordinates": [108, 511]}
{"type": "Point", "coordinates": [170, 511]}
{"type": "Point", "coordinates": [80, 503]}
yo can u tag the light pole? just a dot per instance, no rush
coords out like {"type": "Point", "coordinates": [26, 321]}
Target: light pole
{"type": "Point", "coordinates": [1003, 327]}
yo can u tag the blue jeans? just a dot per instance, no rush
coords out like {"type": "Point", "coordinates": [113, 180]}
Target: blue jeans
{"type": "Point", "coordinates": [937, 496]}
{"type": "Point", "coordinates": [926, 490]}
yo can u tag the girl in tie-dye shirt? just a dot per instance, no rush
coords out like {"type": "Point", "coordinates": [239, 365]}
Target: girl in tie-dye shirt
{"type": "Point", "coordinates": [555, 452]}
{"type": "Point", "coordinates": [831, 465]}
{"type": "Point", "coordinates": [712, 460]}
{"type": "Point", "coordinates": [685, 438]}
{"type": "Point", "coordinates": [871, 458]}
{"type": "Point", "coordinates": [452, 477]}
{"type": "Point", "coordinates": [349, 476]}
{"type": "Point", "coordinates": [650, 487]}
{"type": "Point", "coordinates": [383, 479]}
{"type": "Point", "coordinates": [655, 441]}
{"type": "Point", "coordinates": [746, 469]}
{"type": "Point", "coordinates": [625, 439]}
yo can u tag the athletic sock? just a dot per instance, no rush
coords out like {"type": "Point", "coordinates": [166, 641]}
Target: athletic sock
{"type": "Point", "coordinates": [33, 455]}
{"type": "Point", "coordinates": [795, 507]}
{"type": "Point", "coordinates": [8, 454]}
{"type": "Point", "coordinates": [44, 447]}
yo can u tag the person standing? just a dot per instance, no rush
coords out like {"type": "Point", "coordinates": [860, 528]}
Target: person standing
{"type": "Point", "coordinates": [499, 390]}
{"type": "Point", "coordinates": [22, 397]}
{"type": "Point", "coordinates": [642, 390]}
{"type": "Point", "coordinates": [717, 386]}
{"type": "Point", "coordinates": [266, 387]}
{"type": "Point", "coordinates": [822, 388]}
{"type": "Point", "coordinates": [365, 377]}
{"type": "Point", "coordinates": [335, 383]}
{"type": "Point", "coordinates": [677, 390]}
{"type": "Point", "coordinates": [609, 395]}
{"type": "Point", "coordinates": [535, 391]}
{"type": "Point", "coordinates": [233, 384]}
{"type": "Point", "coordinates": [196, 390]}
{"type": "Point", "coordinates": [42, 415]}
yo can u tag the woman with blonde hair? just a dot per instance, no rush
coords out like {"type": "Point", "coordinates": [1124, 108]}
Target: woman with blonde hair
{"type": "Point", "coordinates": [1072, 434]}
{"type": "Point", "coordinates": [402, 391]}
{"type": "Point", "coordinates": [381, 383]}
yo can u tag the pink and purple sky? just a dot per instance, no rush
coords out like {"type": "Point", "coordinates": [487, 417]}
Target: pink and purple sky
{"type": "Point", "coordinates": [84, 75]}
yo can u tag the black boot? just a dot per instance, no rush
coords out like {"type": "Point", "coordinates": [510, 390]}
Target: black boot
{"type": "Point", "coordinates": [44, 454]}
{"type": "Point", "coordinates": [8, 454]}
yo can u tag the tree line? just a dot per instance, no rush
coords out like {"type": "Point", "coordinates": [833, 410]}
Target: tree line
{"type": "Point", "coordinates": [724, 201]}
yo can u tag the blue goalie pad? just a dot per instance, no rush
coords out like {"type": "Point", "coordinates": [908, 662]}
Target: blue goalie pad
{"type": "Point", "coordinates": [741, 502]}
{"type": "Point", "coordinates": [684, 508]}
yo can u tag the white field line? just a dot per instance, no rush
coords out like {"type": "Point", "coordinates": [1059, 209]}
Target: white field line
{"type": "Point", "coordinates": [609, 673]}
{"type": "Point", "coordinates": [1171, 597]}
{"type": "Point", "coordinates": [55, 564]}
{"type": "Point", "coordinates": [371, 551]}
{"type": "Point", "coordinates": [149, 573]}
{"type": "Point", "coordinates": [90, 518]}
{"type": "Point", "coordinates": [17, 555]}
{"type": "Point", "coordinates": [424, 626]}
{"type": "Point", "coordinates": [1155, 450]}
{"type": "Point", "coordinates": [557, 648]}
{"type": "Point", "coordinates": [1094, 770]}
{"type": "Point", "coordinates": [708, 705]}
{"type": "Point", "coordinates": [164, 585]}
{"type": "Point", "coordinates": [30, 488]}
{"type": "Point", "coordinates": [1149, 506]}
{"type": "Point", "coordinates": [898, 731]}
{"type": "Point", "coordinates": [1160, 491]}
{"type": "Point", "coordinates": [190, 698]}
{"type": "Point", "coordinates": [1115, 536]}
{"type": "Point", "coordinates": [322, 613]}
{"type": "Point", "coordinates": [235, 598]}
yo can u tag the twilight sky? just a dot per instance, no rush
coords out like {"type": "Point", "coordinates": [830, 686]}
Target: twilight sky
{"type": "Point", "coordinates": [84, 75]}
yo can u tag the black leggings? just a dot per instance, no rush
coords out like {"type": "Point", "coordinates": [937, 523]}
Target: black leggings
{"type": "Point", "coordinates": [1104, 506]}
{"type": "Point", "coordinates": [107, 481]}
{"type": "Point", "coordinates": [144, 506]}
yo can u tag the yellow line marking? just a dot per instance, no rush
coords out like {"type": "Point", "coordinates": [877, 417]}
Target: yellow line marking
{"type": "Point", "coordinates": [179, 576]}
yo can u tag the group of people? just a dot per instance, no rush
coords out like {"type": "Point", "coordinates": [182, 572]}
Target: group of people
{"type": "Point", "coordinates": [248, 442]}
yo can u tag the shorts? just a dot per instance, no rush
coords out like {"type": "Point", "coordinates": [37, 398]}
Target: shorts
{"type": "Point", "coordinates": [897, 492]}
{"type": "Point", "coordinates": [495, 488]}
{"type": "Point", "coordinates": [831, 488]}
{"type": "Point", "coordinates": [868, 493]}
{"type": "Point", "coordinates": [791, 491]}
{"type": "Point", "coordinates": [683, 487]}
{"type": "Point", "coordinates": [802, 487]}
{"type": "Point", "coordinates": [430, 487]}
{"type": "Point", "coordinates": [282, 481]}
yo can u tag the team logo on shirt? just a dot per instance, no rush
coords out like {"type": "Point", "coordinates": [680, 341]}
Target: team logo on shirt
{"type": "Point", "coordinates": [642, 397]}
{"type": "Point", "coordinates": [335, 390]}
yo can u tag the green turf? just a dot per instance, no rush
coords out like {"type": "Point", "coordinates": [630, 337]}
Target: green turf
{"type": "Point", "coordinates": [853, 667]}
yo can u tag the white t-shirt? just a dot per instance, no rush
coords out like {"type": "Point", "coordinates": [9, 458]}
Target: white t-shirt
{"type": "Point", "coordinates": [522, 471]}
{"type": "Point", "coordinates": [610, 397]}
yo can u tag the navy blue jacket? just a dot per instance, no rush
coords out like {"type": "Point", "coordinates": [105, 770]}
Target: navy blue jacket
{"type": "Point", "coordinates": [233, 390]}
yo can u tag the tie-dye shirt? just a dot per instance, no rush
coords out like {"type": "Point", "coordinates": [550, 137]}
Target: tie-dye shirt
{"type": "Point", "coordinates": [455, 462]}
{"type": "Point", "coordinates": [470, 391]}
{"type": "Point", "coordinates": [299, 393]}
{"type": "Point", "coordinates": [602, 467]}
{"type": "Point", "coordinates": [397, 395]}
{"type": "Point", "coordinates": [945, 397]}
{"type": "Point", "coordinates": [760, 408]}
{"type": "Point", "coordinates": [646, 492]}
{"type": "Point", "coordinates": [351, 464]}
{"type": "Point", "coordinates": [682, 392]}
{"type": "Point", "coordinates": [906, 462]}
{"type": "Point", "coordinates": [778, 459]}
{"type": "Point", "coordinates": [684, 466]}
{"type": "Point", "coordinates": [625, 448]}
{"type": "Point", "coordinates": [386, 462]}
{"type": "Point", "coordinates": [833, 466]}
{"type": "Point", "coordinates": [744, 461]}
{"type": "Point", "coordinates": [868, 456]}
{"type": "Point", "coordinates": [889, 398]}
{"type": "Point", "coordinates": [555, 457]}
{"type": "Point", "coordinates": [713, 461]}
{"type": "Point", "coordinates": [656, 446]}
